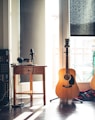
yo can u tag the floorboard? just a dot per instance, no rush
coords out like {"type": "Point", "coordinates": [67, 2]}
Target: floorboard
{"type": "Point", "coordinates": [21, 112]}
{"type": "Point", "coordinates": [53, 110]}
{"type": "Point", "coordinates": [76, 111]}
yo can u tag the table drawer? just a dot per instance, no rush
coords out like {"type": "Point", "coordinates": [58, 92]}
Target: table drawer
{"type": "Point", "coordinates": [38, 70]}
{"type": "Point", "coordinates": [23, 70]}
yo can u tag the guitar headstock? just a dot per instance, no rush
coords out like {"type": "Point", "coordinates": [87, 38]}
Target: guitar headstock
{"type": "Point", "coordinates": [67, 43]}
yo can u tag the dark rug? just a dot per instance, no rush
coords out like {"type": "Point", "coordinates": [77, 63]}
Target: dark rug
{"type": "Point", "coordinates": [88, 95]}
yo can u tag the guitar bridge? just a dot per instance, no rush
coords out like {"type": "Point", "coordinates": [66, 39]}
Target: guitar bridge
{"type": "Point", "coordinates": [67, 86]}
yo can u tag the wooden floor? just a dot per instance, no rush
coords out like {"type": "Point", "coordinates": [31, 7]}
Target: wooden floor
{"type": "Point", "coordinates": [22, 110]}
{"type": "Point", "coordinates": [52, 111]}
{"type": "Point", "coordinates": [76, 111]}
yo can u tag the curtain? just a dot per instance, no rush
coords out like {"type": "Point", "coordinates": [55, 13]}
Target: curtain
{"type": "Point", "coordinates": [82, 17]}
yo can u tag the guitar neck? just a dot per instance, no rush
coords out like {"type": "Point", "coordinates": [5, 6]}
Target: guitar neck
{"type": "Point", "coordinates": [67, 67]}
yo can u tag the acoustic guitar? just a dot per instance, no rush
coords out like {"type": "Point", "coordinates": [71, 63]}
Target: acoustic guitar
{"type": "Point", "coordinates": [67, 87]}
{"type": "Point", "coordinates": [92, 83]}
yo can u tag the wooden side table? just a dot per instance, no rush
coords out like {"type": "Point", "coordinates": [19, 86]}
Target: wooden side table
{"type": "Point", "coordinates": [30, 70]}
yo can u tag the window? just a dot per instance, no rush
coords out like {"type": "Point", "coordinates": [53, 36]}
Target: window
{"type": "Point", "coordinates": [81, 57]}
{"type": "Point", "coordinates": [52, 44]}
{"type": "Point", "coordinates": [82, 40]}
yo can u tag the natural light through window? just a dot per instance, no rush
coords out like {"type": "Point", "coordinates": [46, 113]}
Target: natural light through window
{"type": "Point", "coordinates": [52, 42]}
{"type": "Point", "coordinates": [23, 116]}
{"type": "Point", "coordinates": [81, 57]}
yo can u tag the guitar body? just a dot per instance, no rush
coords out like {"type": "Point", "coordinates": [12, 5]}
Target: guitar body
{"type": "Point", "coordinates": [92, 83]}
{"type": "Point", "coordinates": [64, 89]}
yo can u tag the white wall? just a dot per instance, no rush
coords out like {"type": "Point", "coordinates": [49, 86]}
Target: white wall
{"type": "Point", "coordinates": [1, 23]}
{"type": "Point", "coordinates": [14, 29]}
{"type": "Point", "coordinates": [33, 30]}
{"type": "Point", "coordinates": [64, 31]}
{"type": "Point", "coordinates": [9, 31]}
{"type": "Point", "coordinates": [5, 24]}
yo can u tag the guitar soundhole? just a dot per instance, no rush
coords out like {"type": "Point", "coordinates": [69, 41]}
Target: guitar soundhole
{"type": "Point", "coordinates": [67, 77]}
